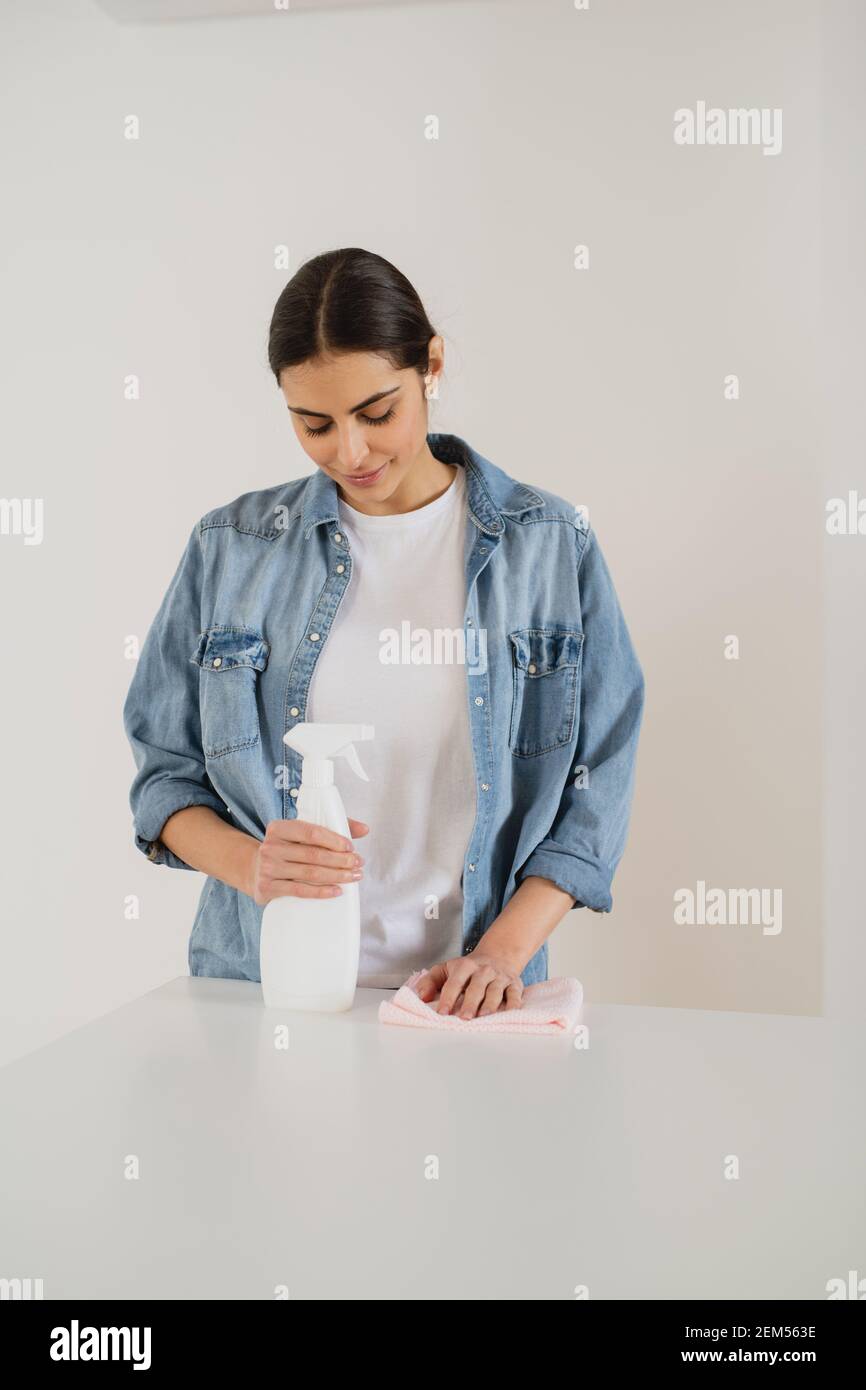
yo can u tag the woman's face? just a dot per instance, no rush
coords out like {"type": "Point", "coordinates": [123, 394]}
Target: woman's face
{"type": "Point", "coordinates": [359, 420]}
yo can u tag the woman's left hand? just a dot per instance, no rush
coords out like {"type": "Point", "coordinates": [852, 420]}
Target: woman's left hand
{"type": "Point", "coordinates": [479, 983]}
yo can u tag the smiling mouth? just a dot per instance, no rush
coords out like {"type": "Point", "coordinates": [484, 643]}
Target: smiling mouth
{"type": "Point", "coordinates": [365, 477]}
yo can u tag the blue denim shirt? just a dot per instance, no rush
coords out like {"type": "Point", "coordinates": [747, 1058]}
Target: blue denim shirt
{"type": "Point", "coordinates": [554, 689]}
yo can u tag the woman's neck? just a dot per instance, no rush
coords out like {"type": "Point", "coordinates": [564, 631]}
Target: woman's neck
{"type": "Point", "coordinates": [426, 480]}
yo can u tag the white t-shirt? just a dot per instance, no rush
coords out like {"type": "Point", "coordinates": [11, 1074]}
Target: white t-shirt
{"type": "Point", "coordinates": [408, 574]}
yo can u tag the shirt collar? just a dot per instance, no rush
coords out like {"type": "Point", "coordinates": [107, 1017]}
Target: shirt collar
{"type": "Point", "coordinates": [490, 492]}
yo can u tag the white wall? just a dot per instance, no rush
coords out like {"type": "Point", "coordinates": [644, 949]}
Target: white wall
{"type": "Point", "coordinates": [842, 195]}
{"type": "Point", "coordinates": [156, 257]}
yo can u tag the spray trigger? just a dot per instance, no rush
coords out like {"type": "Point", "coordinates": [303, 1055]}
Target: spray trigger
{"type": "Point", "coordinates": [351, 756]}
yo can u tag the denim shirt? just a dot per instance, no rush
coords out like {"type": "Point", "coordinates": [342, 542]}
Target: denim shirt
{"type": "Point", "coordinates": [554, 689]}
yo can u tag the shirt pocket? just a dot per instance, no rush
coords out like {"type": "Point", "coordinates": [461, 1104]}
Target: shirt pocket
{"type": "Point", "coordinates": [231, 660]}
{"type": "Point", "coordinates": [546, 677]}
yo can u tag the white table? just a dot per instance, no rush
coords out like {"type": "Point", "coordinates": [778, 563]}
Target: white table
{"type": "Point", "coordinates": [307, 1167]}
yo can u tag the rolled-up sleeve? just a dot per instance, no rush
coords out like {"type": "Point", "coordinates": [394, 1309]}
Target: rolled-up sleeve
{"type": "Point", "coordinates": [588, 835]}
{"type": "Point", "coordinates": [161, 714]}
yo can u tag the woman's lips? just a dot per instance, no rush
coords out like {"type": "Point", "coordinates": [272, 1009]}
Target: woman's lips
{"type": "Point", "coordinates": [366, 479]}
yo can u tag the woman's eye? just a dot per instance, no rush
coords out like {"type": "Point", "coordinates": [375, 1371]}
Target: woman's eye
{"type": "Point", "coordinates": [379, 419]}
{"type": "Point", "coordinates": [369, 419]}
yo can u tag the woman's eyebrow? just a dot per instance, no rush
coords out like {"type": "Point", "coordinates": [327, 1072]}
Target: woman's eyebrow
{"type": "Point", "coordinates": [320, 414]}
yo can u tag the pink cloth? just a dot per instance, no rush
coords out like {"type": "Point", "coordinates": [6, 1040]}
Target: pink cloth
{"type": "Point", "coordinates": [552, 1006]}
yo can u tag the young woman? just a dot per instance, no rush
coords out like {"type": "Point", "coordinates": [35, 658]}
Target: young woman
{"type": "Point", "coordinates": [411, 584]}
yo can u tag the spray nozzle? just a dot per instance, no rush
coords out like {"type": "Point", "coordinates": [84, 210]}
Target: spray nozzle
{"type": "Point", "coordinates": [319, 744]}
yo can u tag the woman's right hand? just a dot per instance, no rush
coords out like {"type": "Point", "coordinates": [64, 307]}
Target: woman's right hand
{"type": "Point", "coordinates": [299, 859]}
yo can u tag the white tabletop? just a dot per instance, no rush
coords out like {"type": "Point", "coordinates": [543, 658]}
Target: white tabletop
{"type": "Point", "coordinates": [311, 1168]}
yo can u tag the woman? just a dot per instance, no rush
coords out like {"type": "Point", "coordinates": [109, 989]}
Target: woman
{"type": "Point", "coordinates": [410, 584]}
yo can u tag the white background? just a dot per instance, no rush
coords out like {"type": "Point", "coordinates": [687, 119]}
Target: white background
{"type": "Point", "coordinates": [156, 257]}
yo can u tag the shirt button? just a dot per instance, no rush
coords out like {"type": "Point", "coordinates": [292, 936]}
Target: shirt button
{"type": "Point", "coordinates": [478, 700]}
{"type": "Point", "coordinates": [472, 867]}
{"type": "Point", "coordinates": [294, 710]}
{"type": "Point", "coordinates": [485, 786]}
{"type": "Point", "coordinates": [340, 569]}
{"type": "Point", "coordinates": [314, 636]}
{"type": "Point", "coordinates": [217, 661]}
{"type": "Point", "coordinates": [337, 537]}
{"type": "Point", "coordinates": [531, 669]}
{"type": "Point", "coordinates": [293, 791]}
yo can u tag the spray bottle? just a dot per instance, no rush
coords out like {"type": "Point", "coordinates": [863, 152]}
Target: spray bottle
{"type": "Point", "coordinates": [310, 947]}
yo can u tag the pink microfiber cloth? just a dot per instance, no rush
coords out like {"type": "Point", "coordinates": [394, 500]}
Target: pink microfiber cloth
{"type": "Point", "coordinates": [551, 1006]}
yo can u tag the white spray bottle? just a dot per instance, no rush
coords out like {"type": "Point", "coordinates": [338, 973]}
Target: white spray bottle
{"type": "Point", "coordinates": [310, 947]}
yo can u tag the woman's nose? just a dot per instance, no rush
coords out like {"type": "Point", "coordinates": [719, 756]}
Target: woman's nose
{"type": "Point", "coordinates": [351, 450]}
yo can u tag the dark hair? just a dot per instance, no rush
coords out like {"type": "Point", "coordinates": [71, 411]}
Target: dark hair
{"type": "Point", "coordinates": [349, 300]}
